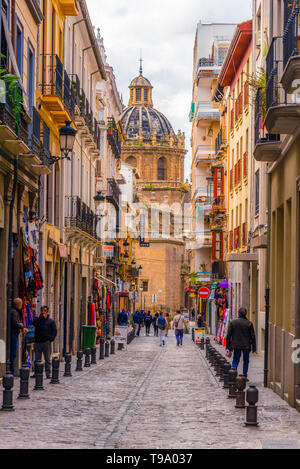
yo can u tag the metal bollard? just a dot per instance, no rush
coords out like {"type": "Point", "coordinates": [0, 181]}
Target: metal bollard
{"type": "Point", "coordinates": [101, 357]}
{"type": "Point", "coordinates": [55, 371]}
{"type": "Point", "coordinates": [232, 384]}
{"type": "Point", "coordinates": [24, 382]}
{"type": "Point", "coordinates": [8, 384]}
{"type": "Point", "coordinates": [251, 413]}
{"type": "Point", "coordinates": [39, 368]}
{"type": "Point", "coordinates": [241, 384]}
{"type": "Point", "coordinates": [87, 363]}
{"type": "Point", "coordinates": [112, 347]}
{"type": "Point", "coordinates": [202, 343]}
{"type": "Point", "coordinates": [227, 368]}
{"type": "Point", "coordinates": [223, 362]}
{"type": "Point", "coordinates": [218, 365]}
{"type": "Point", "coordinates": [106, 349]}
{"type": "Point", "coordinates": [120, 346]}
{"type": "Point", "coordinates": [79, 361]}
{"type": "Point", "coordinates": [68, 364]}
{"type": "Point", "coordinates": [193, 335]}
{"type": "Point", "coordinates": [94, 359]}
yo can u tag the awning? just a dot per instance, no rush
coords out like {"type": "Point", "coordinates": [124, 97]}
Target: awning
{"type": "Point", "coordinates": [105, 280]}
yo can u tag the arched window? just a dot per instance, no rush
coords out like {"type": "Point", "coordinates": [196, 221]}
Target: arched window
{"type": "Point", "coordinates": [131, 161]}
{"type": "Point", "coordinates": [162, 169]}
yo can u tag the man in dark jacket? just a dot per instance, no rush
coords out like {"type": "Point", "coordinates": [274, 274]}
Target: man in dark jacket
{"type": "Point", "coordinates": [45, 333]}
{"type": "Point", "coordinates": [241, 339]}
{"type": "Point", "coordinates": [16, 326]}
{"type": "Point", "coordinates": [137, 323]}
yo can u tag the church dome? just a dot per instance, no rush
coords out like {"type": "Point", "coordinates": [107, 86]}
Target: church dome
{"type": "Point", "coordinates": [140, 81]}
{"type": "Point", "coordinates": [146, 119]}
{"type": "Point", "coordinates": [140, 121]}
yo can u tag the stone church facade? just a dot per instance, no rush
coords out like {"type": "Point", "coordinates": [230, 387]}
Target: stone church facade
{"type": "Point", "coordinates": [152, 147]}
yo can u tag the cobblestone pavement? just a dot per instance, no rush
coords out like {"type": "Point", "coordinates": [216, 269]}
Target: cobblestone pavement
{"type": "Point", "coordinates": [147, 397]}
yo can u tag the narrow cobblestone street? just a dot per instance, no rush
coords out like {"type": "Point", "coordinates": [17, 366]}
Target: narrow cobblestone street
{"type": "Point", "coordinates": [146, 397]}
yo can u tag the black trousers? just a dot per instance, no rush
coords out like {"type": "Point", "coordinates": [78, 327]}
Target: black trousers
{"type": "Point", "coordinates": [147, 328]}
{"type": "Point", "coordinates": [43, 349]}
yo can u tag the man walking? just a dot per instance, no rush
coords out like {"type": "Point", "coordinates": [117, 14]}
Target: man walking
{"type": "Point", "coordinates": [45, 334]}
{"type": "Point", "coordinates": [178, 325]}
{"type": "Point", "coordinates": [162, 325]}
{"type": "Point", "coordinates": [241, 340]}
{"type": "Point", "coordinates": [137, 323]}
{"type": "Point", "coordinates": [148, 321]}
{"type": "Point", "coordinates": [16, 327]}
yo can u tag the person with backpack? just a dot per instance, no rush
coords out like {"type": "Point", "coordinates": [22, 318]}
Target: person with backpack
{"type": "Point", "coordinates": [178, 325]}
{"type": "Point", "coordinates": [162, 325]}
{"type": "Point", "coordinates": [148, 321]}
{"type": "Point", "coordinates": [154, 322]}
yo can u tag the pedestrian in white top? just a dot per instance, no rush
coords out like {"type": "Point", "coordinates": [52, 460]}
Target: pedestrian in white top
{"type": "Point", "coordinates": [162, 325]}
{"type": "Point", "coordinates": [178, 325]}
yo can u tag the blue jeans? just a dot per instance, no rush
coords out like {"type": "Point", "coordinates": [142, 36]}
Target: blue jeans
{"type": "Point", "coordinates": [179, 336]}
{"type": "Point", "coordinates": [237, 357]}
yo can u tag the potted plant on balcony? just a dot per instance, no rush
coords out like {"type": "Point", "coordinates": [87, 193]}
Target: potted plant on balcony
{"type": "Point", "coordinates": [13, 92]}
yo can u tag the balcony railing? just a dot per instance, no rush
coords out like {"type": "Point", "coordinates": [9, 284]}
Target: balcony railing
{"type": "Point", "coordinates": [56, 82]}
{"type": "Point", "coordinates": [220, 140]}
{"type": "Point", "coordinates": [113, 193]}
{"type": "Point", "coordinates": [34, 138]}
{"type": "Point", "coordinates": [291, 29]}
{"type": "Point", "coordinates": [16, 123]}
{"type": "Point", "coordinates": [207, 110]}
{"type": "Point", "coordinates": [261, 134]}
{"type": "Point", "coordinates": [113, 137]}
{"type": "Point", "coordinates": [205, 152]}
{"type": "Point", "coordinates": [79, 215]}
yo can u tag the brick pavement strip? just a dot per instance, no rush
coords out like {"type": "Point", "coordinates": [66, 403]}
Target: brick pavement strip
{"type": "Point", "coordinates": [147, 398]}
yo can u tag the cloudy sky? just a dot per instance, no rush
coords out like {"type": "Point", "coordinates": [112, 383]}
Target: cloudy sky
{"type": "Point", "coordinates": [165, 31]}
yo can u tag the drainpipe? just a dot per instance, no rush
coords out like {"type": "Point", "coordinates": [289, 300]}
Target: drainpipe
{"type": "Point", "coordinates": [73, 43]}
{"type": "Point", "coordinates": [83, 54]}
{"type": "Point", "coordinates": [266, 359]}
{"type": "Point", "coordinates": [9, 264]}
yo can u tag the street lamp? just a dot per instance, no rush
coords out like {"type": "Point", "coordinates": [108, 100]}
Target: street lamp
{"type": "Point", "coordinates": [126, 246]}
{"type": "Point", "coordinates": [67, 136]}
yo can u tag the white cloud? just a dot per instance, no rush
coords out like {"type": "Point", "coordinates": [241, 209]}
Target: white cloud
{"type": "Point", "coordinates": [165, 31]}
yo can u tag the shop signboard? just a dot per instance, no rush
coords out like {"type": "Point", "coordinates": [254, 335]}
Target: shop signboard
{"type": "Point", "coordinates": [108, 251]}
{"type": "Point", "coordinates": [199, 334]}
{"type": "Point", "coordinates": [121, 334]}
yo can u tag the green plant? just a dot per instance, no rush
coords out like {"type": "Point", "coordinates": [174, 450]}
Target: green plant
{"type": "Point", "coordinates": [255, 82]}
{"type": "Point", "coordinates": [13, 92]}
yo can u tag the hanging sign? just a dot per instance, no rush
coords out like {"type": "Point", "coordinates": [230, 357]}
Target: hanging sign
{"type": "Point", "coordinates": [108, 251]}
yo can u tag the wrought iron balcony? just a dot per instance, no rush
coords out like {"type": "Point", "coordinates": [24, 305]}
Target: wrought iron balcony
{"type": "Point", "coordinates": [34, 139]}
{"type": "Point", "coordinates": [113, 193]}
{"type": "Point", "coordinates": [113, 137]}
{"type": "Point", "coordinates": [220, 141]}
{"type": "Point", "coordinates": [291, 55]}
{"type": "Point", "coordinates": [16, 123]}
{"type": "Point", "coordinates": [282, 110]}
{"type": "Point", "coordinates": [79, 215]}
{"type": "Point", "coordinates": [57, 93]}
{"type": "Point", "coordinates": [267, 145]}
